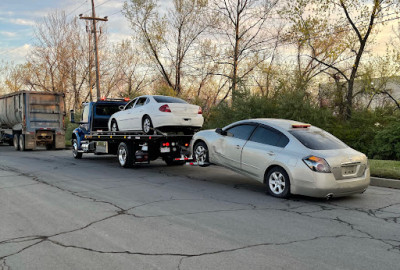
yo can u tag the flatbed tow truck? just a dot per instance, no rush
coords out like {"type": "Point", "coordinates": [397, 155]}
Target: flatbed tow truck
{"type": "Point", "coordinates": [131, 148]}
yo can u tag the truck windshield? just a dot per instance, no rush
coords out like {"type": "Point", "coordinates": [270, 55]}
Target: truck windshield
{"type": "Point", "coordinates": [107, 109]}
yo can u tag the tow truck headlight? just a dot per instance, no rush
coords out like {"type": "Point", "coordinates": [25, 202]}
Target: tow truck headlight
{"type": "Point", "coordinates": [317, 164]}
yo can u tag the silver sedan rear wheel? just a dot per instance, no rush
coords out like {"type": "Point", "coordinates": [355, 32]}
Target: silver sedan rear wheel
{"type": "Point", "coordinates": [278, 182]}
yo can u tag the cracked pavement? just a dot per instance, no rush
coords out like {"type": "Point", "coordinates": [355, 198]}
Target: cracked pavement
{"type": "Point", "coordinates": [61, 213]}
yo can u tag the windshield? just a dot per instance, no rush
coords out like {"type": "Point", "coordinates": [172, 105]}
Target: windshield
{"type": "Point", "coordinates": [163, 99]}
{"type": "Point", "coordinates": [317, 139]}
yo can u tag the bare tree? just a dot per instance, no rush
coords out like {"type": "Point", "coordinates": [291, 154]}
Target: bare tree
{"type": "Point", "coordinates": [359, 19]}
{"type": "Point", "coordinates": [242, 24]}
{"type": "Point", "coordinates": [168, 39]}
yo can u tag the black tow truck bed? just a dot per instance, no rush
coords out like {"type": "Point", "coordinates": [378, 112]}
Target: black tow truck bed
{"type": "Point", "coordinates": [136, 148]}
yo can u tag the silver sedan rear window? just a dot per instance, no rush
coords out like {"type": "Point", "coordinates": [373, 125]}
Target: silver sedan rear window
{"type": "Point", "coordinates": [318, 139]}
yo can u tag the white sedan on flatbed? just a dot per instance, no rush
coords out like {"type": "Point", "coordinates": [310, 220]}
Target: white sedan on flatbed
{"type": "Point", "coordinates": [289, 157]}
{"type": "Point", "coordinates": [151, 112]}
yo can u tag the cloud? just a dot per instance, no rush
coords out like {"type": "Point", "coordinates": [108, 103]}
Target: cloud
{"type": "Point", "coordinates": [16, 54]}
{"type": "Point", "coordinates": [8, 34]}
{"type": "Point", "coordinates": [22, 22]}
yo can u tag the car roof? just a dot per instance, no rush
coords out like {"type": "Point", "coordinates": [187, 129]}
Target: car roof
{"type": "Point", "coordinates": [283, 124]}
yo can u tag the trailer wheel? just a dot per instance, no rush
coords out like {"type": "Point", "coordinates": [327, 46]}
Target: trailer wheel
{"type": "Point", "coordinates": [16, 141]}
{"type": "Point", "coordinates": [75, 151]}
{"type": "Point", "coordinates": [125, 157]}
{"type": "Point", "coordinates": [22, 142]}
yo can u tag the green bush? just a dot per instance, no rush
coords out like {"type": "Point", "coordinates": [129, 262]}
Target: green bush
{"type": "Point", "coordinates": [387, 143]}
{"type": "Point", "coordinates": [375, 133]}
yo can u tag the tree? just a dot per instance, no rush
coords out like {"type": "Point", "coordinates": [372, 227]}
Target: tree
{"type": "Point", "coordinates": [167, 40]}
{"type": "Point", "coordinates": [359, 18]}
{"type": "Point", "coordinates": [242, 24]}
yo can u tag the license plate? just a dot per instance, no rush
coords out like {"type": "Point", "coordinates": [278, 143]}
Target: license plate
{"type": "Point", "coordinates": [349, 170]}
{"type": "Point", "coordinates": [165, 150]}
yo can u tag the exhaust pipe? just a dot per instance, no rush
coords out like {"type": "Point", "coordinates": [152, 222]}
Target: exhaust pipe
{"type": "Point", "coordinates": [329, 196]}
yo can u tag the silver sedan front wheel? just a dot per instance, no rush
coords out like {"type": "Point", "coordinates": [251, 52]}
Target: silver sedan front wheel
{"type": "Point", "coordinates": [201, 154]}
{"type": "Point", "coordinates": [278, 183]}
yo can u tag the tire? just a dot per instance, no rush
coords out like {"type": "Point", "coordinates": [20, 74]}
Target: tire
{"type": "Point", "coordinates": [114, 125]}
{"type": "Point", "coordinates": [75, 153]}
{"type": "Point", "coordinates": [125, 157]}
{"type": "Point", "coordinates": [201, 154]}
{"type": "Point", "coordinates": [278, 182]}
{"type": "Point", "coordinates": [147, 125]}
{"type": "Point", "coordinates": [171, 162]}
{"type": "Point", "coordinates": [21, 141]}
{"type": "Point", "coordinates": [16, 142]}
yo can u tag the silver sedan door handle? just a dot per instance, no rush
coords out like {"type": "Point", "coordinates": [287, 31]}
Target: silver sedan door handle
{"type": "Point", "coordinates": [237, 146]}
{"type": "Point", "coordinates": [271, 153]}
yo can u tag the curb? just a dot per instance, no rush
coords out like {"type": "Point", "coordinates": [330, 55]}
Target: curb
{"type": "Point", "coordinates": [383, 182]}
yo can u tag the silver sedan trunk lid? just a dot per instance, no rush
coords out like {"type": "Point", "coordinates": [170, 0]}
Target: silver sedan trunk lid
{"type": "Point", "coordinates": [344, 163]}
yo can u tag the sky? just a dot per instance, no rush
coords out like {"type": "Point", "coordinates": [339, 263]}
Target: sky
{"type": "Point", "coordinates": [18, 17]}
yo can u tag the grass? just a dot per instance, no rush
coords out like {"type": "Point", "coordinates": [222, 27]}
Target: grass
{"type": "Point", "coordinates": [385, 168]}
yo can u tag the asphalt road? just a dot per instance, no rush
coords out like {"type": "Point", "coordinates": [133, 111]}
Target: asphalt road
{"type": "Point", "coordinates": [61, 213]}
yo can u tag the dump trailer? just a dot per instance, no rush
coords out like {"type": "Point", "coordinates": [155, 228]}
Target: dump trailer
{"type": "Point", "coordinates": [33, 119]}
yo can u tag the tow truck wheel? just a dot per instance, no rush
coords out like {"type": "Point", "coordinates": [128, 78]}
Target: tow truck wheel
{"type": "Point", "coordinates": [125, 158]}
{"type": "Point", "coordinates": [16, 142]}
{"type": "Point", "coordinates": [75, 151]}
{"type": "Point", "coordinates": [21, 142]}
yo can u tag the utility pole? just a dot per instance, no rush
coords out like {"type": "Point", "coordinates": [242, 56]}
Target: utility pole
{"type": "Point", "coordinates": [89, 30]}
{"type": "Point", "coordinates": [94, 20]}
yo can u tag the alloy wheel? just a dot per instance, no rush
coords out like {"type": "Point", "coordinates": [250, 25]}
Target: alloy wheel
{"type": "Point", "coordinates": [277, 183]}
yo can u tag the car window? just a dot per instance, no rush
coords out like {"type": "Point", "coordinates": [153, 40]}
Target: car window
{"type": "Point", "coordinates": [317, 139]}
{"type": "Point", "coordinates": [241, 131]}
{"type": "Point", "coordinates": [130, 104]}
{"type": "Point", "coordinates": [269, 136]}
{"type": "Point", "coordinates": [107, 109]}
{"type": "Point", "coordinates": [164, 99]}
{"type": "Point", "coordinates": [140, 102]}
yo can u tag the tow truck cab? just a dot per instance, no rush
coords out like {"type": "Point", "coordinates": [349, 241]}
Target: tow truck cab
{"type": "Point", "coordinates": [95, 116]}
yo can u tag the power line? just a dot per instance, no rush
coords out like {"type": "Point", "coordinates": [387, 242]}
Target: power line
{"type": "Point", "coordinates": [98, 5]}
{"type": "Point", "coordinates": [77, 8]}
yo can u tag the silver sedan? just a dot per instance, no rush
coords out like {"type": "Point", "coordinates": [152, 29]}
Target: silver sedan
{"type": "Point", "coordinates": [288, 156]}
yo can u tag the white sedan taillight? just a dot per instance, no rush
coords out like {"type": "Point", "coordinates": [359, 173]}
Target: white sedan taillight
{"type": "Point", "coordinates": [165, 108]}
{"type": "Point", "coordinates": [200, 111]}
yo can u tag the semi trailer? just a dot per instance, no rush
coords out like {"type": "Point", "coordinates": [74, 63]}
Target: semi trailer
{"type": "Point", "coordinates": [33, 119]}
